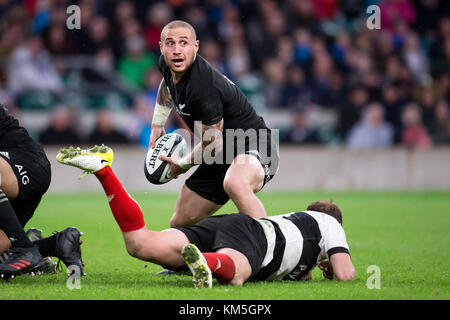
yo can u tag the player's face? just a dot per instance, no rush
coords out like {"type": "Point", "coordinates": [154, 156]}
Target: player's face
{"type": "Point", "coordinates": [179, 49]}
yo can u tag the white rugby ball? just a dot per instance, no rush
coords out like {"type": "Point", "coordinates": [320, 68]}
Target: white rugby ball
{"type": "Point", "coordinates": [169, 145]}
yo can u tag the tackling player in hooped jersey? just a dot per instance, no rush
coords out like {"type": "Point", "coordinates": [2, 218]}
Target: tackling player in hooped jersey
{"type": "Point", "coordinates": [234, 248]}
{"type": "Point", "coordinates": [212, 105]}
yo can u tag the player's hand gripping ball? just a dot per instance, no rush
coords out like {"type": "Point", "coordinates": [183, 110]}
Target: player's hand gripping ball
{"type": "Point", "coordinates": [169, 145]}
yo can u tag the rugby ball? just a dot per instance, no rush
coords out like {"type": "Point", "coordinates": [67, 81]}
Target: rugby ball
{"type": "Point", "coordinates": [169, 145]}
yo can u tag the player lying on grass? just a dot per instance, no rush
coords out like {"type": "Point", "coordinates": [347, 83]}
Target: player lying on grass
{"type": "Point", "coordinates": [234, 248]}
{"type": "Point", "coordinates": [24, 178]}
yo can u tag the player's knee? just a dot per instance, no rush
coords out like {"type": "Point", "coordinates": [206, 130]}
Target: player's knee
{"type": "Point", "coordinates": [139, 250]}
{"type": "Point", "coordinates": [184, 219]}
{"type": "Point", "coordinates": [236, 187]}
{"type": "Point", "coordinates": [135, 248]}
{"type": "Point", "coordinates": [174, 221]}
{"type": "Point", "coordinates": [132, 248]}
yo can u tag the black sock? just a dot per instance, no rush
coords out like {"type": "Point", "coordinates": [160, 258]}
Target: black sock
{"type": "Point", "coordinates": [47, 246]}
{"type": "Point", "coordinates": [11, 225]}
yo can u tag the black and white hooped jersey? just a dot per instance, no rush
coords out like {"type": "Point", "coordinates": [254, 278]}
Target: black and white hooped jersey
{"type": "Point", "coordinates": [297, 241]}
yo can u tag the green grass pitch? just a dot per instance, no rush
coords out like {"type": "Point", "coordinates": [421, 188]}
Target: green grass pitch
{"type": "Point", "coordinates": [405, 234]}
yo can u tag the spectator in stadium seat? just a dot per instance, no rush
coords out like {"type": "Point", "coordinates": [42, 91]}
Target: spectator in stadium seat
{"type": "Point", "coordinates": [441, 126]}
{"type": "Point", "coordinates": [57, 42]}
{"type": "Point", "coordinates": [135, 63]}
{"type": "Point", "coordinates": [296, 91]}
{"type": "Point", "coordinates": [196, 15]}
{"type": "Point", "coordinates": [152, 80]}
{"type": "Point", "coordinates": [158, 15]}
{"type": "Point", "coordinates": [138, 128]}
{"type": "Point", "coordinates": [300, 133]}
{"type": "Point", "coordinates": [372, 131]}
{"type": "Point", "coordinates": [394, 10]}
{"type": "Point", "coordinates": [416, 58]}
{"type": "Point", "coordinates": [98, 35]}
{"type": "Point", "coordinates": [60, 130]}
{"type": "Point", "coordinates": [275, 80]}
{"type": "Point", "coordinates": [393, 104]}
{"type": "Point", "coordinates": [443, 86]}
{"type": "Point", "coordinates": [105, 131]}
{"type": "Point", "coordinates": [11, 38]}
{"type": "Point", "coordinates": [427, 99]}
{"type": "Point", "coordinates": [211, 51]}
{"type": "Point", "coordinates": [304, 11]}
{"type": "Point", "coordinates": [351, 111]}
{"type": "Point", "coordinates": [322, 70]}
{"type": "Point", "coordinates": [303, 46]}
{"type": "Point", "coordinates": [237, 61]}
{"type": "Point", "coordinates": [30, 68]}
{"type": "Point", "coordinates": [326, 9]}
{"type": "Point", "coordinates": [285, 49]}
{"type": "Point", "coordinates": [414, 134]}
{"type": "Point", "coordinates": [124, 10]}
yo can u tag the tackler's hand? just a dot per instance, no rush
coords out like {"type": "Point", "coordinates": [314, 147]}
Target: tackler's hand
{"type": "Point", "coordinates": [325, 266]}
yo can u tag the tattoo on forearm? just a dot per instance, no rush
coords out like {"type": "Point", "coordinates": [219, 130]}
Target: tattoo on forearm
{"type": "Point", "coordinates": [213, 137]}
{"type": "Point", "coordinates": [164, 98]}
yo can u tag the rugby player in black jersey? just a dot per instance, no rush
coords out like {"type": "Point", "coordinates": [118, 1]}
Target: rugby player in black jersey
{"type": "Point", "coordinates": [238, 153]}
{"type": "Point", "coordinates": [24, 178]}
{"type": "Point", "coordinates": [233, 248]}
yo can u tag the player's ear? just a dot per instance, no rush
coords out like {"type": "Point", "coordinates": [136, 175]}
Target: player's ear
{"type": "Point", "coordinates": [196, 45]}
{"type": "Point", "coordinates": [160, 46]}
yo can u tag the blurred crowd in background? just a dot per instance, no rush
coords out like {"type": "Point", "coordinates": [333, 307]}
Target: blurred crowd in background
{"type": "Point", "coordinates": [339, 82]}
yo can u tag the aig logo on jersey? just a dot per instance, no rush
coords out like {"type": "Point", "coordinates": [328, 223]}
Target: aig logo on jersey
{"type": "Point", "coordinates": [23, 173]}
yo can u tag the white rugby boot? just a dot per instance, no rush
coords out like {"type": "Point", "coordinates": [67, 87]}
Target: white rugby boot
{"type": "Point", "coordinates": [89, 160]}
{"type": "Point", "coordinates": [201, 274]}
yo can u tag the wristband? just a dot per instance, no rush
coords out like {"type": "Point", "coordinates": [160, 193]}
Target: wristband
{"type": "Point", "coordinates": [160, 114]}
{"type": "Point", "coordinates": [184, 164]}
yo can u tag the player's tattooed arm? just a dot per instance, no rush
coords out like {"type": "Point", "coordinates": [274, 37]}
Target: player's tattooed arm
{"type": "Point", "coordinates": [163, 97]}
{"type": "Point", "coordinates": [211, 143]}
{"type": "Point", "coordinates": [212, 137]}
{"type": "Point", "coordinates": [163, 107]}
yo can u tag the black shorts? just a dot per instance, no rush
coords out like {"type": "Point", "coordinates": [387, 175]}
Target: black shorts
{"type": "Point", "coordinates": [236, 231]}
{"type": "Point", "coordinates": [207, 179]}
{"type": "Point", "coordinates": [32, 169]}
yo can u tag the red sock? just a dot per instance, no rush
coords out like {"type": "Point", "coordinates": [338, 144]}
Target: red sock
{"type": "Point", "coordinates": [125, 209]}
{"type": "Point", "coordinates": [221, 265]}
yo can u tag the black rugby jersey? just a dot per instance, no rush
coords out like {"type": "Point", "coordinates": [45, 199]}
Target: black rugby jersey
{"type": "Point", "coordinates": [7, 122]}
{"type": "Point", "coordinates": [204, 94]}
{"type": "Point", "coordinates": [296, 242]}
{"type": "Point", "coordinates": [12, 135]}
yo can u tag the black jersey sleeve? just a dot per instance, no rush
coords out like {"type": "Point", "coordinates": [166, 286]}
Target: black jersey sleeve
{"type": "Point", "coordinates": [208, 107]}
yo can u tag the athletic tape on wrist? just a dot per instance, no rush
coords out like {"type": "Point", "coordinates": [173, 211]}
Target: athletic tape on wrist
{"type": "Point", "coordinates": [160, 114]}
{"type": "Point", "coordinates": [184, 164]}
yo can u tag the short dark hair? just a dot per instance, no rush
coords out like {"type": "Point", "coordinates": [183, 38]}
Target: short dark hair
{"type": "Point", "coordinates": [328, 207]}
{"type": "Point", "coordinates": [178, 24]}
